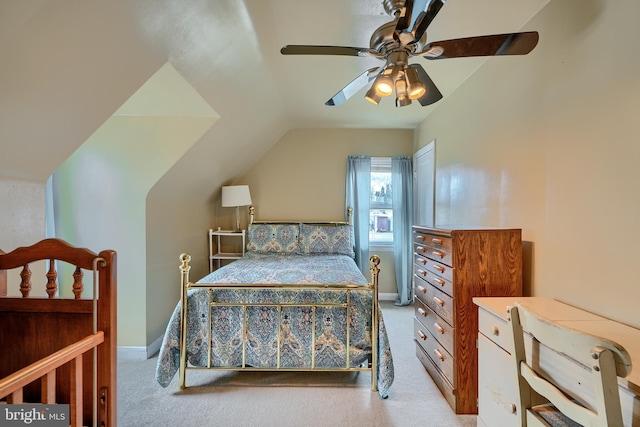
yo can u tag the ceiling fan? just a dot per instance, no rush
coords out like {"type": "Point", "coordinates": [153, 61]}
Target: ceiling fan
{"type": "Point", "coordinates": [395, 42]}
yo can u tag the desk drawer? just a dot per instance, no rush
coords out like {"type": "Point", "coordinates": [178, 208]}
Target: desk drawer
{"type": "Point", "coordinates": [498, 403]}
{"type": "Point", "coordinates": [438, 301]}
{"type": "Point", "coordinates": [495, 329]}
{"type": "Point", "coordinates": [434, 324]}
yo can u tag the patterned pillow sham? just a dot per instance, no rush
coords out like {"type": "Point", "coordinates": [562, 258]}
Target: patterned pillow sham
{"type": "Point", "coordinates": [326, 239]}
{"type": "Point", "coordinates": [270, 238]}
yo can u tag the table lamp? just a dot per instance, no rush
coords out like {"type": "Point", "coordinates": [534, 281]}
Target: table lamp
{"type": "Point", "coordinates": [236, 196]}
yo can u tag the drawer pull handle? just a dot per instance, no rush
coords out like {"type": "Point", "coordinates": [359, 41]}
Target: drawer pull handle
{"type": "Point", "coordinates": [423, 261]}
{"type": "Point", "coordinates": [439, 328]}
{"type": "Point", "coordinates": [436, 241]}
{"type": "Point", "coordinates": [438, 301]}
{"type": "Point", "coordinates": [424, 273]}
{"type": "Point", "coordinates": [422, 312]}
{"type": "Point", "coordinates": [420, 237]}
{"type": "Point", "coordinates": [422, 289]}
{"type": "Point", "coordinates": [423, 336]}
{"type": "Point", "coordinates": [439, 281]}
{"type": "Point", "coordinates": [514, 408]}
{"type": "Point", "coordinates": [421, 249]}
{"type": "Point", "coordinates": [439, 355]}
{"type": "Point", "coordinates": [438, 254]}
{"type": "Point", "coordinates": [439, 268]}
{"type": "Point", "coordinates": [496, 331]}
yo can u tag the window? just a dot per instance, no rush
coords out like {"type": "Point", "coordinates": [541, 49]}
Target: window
{"type": "Point", "coordinates": [381, 208]}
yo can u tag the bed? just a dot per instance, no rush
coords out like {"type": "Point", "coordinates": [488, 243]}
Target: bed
{"type": "Point", "coordinates": [59, 350]}
{"type": "Point", "coordinates": [296, 301]}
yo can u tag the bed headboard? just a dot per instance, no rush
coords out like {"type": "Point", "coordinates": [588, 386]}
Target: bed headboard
{"type": "Point", "coordinates": [252, 219]}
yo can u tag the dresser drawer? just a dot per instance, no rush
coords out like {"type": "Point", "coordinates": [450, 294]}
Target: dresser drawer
{"type": "Point", "coordinates": [495, 329]}
{"type": "Point", "coordinates": [437, 281]}
{"type": "Point", "coordinates": [441, 382]}
{"type": "Point", "coordinates": [434, 324]}
{"type": "Point", "coordinates": [441, 270]}
{"type": "Point", "coordinates": [435, 299]}
{"type": "Point", "coordinates": [441, 283]}
{"type": "Point", "coordinates": [437, 248]}
{"type": "Point", "coordinates": [439, 356]}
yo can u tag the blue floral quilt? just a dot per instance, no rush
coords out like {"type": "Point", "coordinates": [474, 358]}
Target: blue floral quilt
{"type": "Point", "coordinates": [296, 321]}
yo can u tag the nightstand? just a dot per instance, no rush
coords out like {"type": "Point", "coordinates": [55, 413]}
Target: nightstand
{"type": "Point", "coordinates": [219, 236]}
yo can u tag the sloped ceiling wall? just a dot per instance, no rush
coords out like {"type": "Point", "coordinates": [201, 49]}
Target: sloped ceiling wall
{"type": "Point", "coordinates": [100, 191]}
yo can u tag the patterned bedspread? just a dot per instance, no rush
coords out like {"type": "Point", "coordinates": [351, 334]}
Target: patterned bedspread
{"type": "Point", "coordinates": [296, 321]}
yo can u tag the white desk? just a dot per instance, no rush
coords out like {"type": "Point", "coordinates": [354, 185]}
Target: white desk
{"type": "Point", "coordinates": [497, 387]}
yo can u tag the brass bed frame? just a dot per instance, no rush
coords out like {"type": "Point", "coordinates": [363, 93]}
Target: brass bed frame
{"type": "Point", "coordinates": [186, 285]}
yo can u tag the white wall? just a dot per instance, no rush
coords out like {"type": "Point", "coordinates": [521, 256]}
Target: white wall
{"type": "Point", "coordinates": [101, 190]}
{"type": "Point", "coordinates": [303, 176]}
{"type": "Point", "coordinates": [549, 143]}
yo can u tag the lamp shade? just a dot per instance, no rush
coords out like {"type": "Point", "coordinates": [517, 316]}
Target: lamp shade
{"type": "Point", "coordinates": [235, 195]}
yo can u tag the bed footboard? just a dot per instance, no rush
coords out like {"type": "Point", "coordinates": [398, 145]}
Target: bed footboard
{"type": "Point", "coordinates": [337, 300]}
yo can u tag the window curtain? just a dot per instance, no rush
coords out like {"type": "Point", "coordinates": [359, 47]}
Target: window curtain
{"type": "Point", "coordinates": [357, 198]}
{"type": "Point", "coordinates": [402, 202]}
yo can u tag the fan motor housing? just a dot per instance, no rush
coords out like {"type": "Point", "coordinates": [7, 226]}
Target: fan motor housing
{"type": "Point", "coordinates": [393, 7]}
{"type": "Point", "coordinates": [383, 41]}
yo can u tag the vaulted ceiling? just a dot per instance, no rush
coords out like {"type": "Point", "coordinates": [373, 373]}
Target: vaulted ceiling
{"type": "Point", "coordinates": [68, 65]}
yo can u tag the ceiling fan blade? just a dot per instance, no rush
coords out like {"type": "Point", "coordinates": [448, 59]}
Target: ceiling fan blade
{"type": "Point", "coordinates": [432, 94]}
{"type": "Point", "coordinates": [404, 20]}
{"type": "Point", "coordinates": [492, 45]}
{"type": "Point", "coordinates": [295, 49]}
{"type": "Point", "coordinates": [425, 18]}
{"type": "Point", "coordinates": [358, 83]}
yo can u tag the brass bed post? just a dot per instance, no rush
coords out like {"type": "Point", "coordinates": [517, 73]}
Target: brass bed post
{"type": "Point", "coordinates": [375, 271]}
{"type": "Point", "coordinates": [184, 285]}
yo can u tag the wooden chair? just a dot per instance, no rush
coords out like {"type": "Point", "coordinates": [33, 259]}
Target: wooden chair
{"type": "Point", "coordinates": [605, 360]}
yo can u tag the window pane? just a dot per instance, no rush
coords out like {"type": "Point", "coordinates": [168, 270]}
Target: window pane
{"type": "Point", "coordinates": [381, 189]}
{"type": "Point", "coordinates": [381, 213]}
{"type": "Point", "coordinates": [381, 225]}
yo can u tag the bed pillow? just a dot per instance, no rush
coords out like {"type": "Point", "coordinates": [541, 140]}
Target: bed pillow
{"type": "Point", "coordinates": [270, 238]}
{"type": "Point", "coordinates": [326, 239]}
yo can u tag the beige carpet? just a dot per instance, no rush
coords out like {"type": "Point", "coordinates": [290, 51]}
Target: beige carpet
{"type": "Point", "coordinates": [290, 399]}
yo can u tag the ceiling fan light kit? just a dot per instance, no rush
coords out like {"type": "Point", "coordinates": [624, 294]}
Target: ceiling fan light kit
{"type": "Point", "coordinates": [404, 37]}
{"type": "Point", "coordinates": [372, 95]}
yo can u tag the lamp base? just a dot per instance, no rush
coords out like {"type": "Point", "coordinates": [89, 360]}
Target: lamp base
{"type": "Point", "coordinates": [238, 230]}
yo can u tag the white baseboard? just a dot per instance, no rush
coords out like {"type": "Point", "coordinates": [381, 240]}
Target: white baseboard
{"type": "Point", "coordinates": [387, 296]}
{"type": "Point", "coordinates": [127, 352]}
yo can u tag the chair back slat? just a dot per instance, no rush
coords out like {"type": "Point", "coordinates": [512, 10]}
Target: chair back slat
{"type": "Point", "coordinates": [604, 359]}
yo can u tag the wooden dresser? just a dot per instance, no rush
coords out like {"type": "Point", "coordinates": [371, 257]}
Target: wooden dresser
{"type": "Point", "coordinates": [451, 267]}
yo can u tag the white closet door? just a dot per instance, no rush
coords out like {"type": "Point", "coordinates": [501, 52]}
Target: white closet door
{"type": "Point", "coordinates": [424, 162]}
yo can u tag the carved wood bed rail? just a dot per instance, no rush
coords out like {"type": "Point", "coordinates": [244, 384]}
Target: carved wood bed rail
{"type": "Point", "coordinates": [60, 350]}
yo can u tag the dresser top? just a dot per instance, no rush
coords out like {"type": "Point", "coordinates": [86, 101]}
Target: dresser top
{"type": "Point", "coordinates": [448, 229]}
